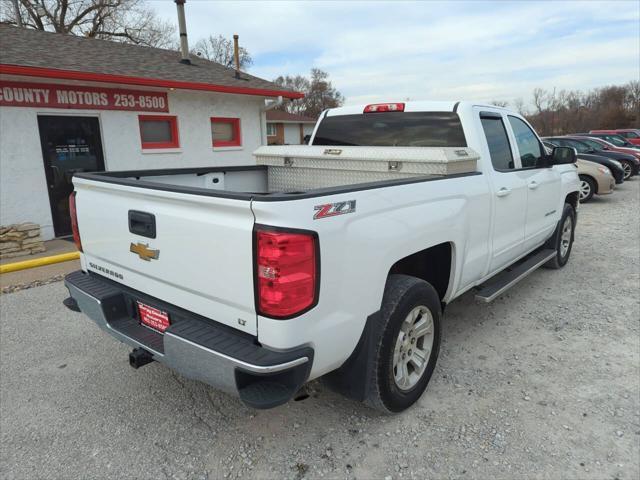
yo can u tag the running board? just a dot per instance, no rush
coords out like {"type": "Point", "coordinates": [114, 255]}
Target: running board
{"type": "Point", "coordinates": [512, 275]}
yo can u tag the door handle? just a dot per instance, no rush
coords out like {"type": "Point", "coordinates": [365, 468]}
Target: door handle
{"type": "Point", "coordinates": [533, 185]}
{"type": "Point", "coordinates": [503, 192]}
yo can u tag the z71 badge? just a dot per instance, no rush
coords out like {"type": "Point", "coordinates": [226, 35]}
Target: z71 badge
{"type": "Point", "coordinates": [333, 209]}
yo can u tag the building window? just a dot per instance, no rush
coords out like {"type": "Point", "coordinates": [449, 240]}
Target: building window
{"type": "Point", "coordinates": [159, 131]}
{"type": "Point", "coordinates": [271, 130]}
{"type": "Point", "coordinates": [225, 132]}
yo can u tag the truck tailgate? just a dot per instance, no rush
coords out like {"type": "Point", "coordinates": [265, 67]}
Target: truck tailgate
{"type": "Point", "coordinates": [204, 248]}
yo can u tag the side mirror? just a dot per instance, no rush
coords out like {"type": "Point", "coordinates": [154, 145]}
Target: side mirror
{"type": "Point", "coordinates": [306, 139]}
{"type": "Point", "coordinates": [563, 155]}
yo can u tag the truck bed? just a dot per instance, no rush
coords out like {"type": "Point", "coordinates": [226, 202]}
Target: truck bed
{"type": "Point", "coordinates": [287, 172]}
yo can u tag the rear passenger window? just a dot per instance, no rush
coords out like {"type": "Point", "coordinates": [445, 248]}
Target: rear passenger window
{"type": "Point", "coordinates": [531, 152]}
{"type": "Point", "coordinates": [498, 142]}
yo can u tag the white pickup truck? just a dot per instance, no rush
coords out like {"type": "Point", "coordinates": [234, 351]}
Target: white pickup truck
{"type": "Point", "coordinates": [335, 259]}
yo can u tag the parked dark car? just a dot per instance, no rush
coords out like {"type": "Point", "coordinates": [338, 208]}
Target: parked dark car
{"type": "Point", "coordinates": [628, 157]}
{"type": "Point", "coordinates": [614, 138]}
{"type": "Point", "coordinates": [607, 146]}
{"type": "Point", "coordinates": [631, 134]}
{"type": "Point", "coordinates": [589, 153]}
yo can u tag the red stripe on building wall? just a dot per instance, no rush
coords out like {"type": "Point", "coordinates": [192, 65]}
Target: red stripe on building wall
{"type": "Point", "coordinates": [150, 82]}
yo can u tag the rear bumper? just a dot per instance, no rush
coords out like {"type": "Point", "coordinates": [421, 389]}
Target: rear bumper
{"type": "Point", "coordinates": [194, 346]}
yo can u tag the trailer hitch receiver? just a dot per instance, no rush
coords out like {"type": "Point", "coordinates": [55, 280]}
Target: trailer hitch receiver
{"type": "Point", "coordinates": [139, 357]}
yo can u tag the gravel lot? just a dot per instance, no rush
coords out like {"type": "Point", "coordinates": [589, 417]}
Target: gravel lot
{"type": "Point", "coordinates": [542, 383]}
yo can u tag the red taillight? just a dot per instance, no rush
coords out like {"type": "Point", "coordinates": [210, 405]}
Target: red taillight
{"type": "Point", "coordinates": [384, 107]}
{"type": "Point", "coordinates": [74, 221]}
{"type": "Point", "coordinates": [286, 272]}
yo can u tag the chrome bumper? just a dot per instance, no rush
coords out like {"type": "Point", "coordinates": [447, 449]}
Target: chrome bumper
{"type": "Point", "coordinates": [284, 372]}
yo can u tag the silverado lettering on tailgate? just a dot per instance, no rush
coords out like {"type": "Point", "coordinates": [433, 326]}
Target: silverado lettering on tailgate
{"type": "Point", "coordinates": [99, 268]}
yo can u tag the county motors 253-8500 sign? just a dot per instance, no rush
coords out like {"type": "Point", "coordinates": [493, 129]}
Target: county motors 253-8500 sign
{"type": "Point", "coordinates": [18, 94]}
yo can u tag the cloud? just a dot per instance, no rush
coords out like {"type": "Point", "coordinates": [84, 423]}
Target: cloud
{"type": "Point", "coordinates": [379, 51]}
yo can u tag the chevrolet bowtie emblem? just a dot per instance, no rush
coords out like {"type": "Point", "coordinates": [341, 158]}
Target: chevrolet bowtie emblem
{"type": "Point", "coordinates": [144, 252]}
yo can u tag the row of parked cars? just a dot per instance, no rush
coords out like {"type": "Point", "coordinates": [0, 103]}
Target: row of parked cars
{"type": "Point", "coordinates": [606, 158]}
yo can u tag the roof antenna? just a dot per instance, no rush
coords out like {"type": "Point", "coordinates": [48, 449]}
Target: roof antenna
{"type": "Point", "coordinates": [236, 55]}
{"type": "Point", "coordinates": [182, 27]}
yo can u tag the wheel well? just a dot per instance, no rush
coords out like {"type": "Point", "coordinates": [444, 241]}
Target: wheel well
{"type": "Point", "coordinates": [432, 265]}
{"type": "Point", "coordinates": [573, 198]}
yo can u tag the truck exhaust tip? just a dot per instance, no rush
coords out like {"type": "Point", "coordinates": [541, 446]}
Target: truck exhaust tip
{"type": "Point", "coordinates": [139, 357]}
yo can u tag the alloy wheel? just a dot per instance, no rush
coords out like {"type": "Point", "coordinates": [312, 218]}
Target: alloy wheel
{"type": "Point", "coordinates": [565, 236]}
{"type": "Point", "coordinates": [585, 189]}
{"type": "Point", "coordinates": [413, 348]}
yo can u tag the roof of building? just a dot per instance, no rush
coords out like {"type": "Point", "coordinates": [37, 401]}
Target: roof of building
{"type": "Point", "coordinates": [280, 116]}
{"type": "Point", "coordinates": [54, 55]}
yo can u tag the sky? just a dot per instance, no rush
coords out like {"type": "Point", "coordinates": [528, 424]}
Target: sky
{"type": "Point", "coordinates": [381, 51]}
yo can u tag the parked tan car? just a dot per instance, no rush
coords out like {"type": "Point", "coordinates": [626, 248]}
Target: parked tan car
{"type": "Point", "coordinates": [594, 179]}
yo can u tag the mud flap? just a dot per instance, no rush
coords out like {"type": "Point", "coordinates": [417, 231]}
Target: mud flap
{"type": "Point", "coordinates": [354, 378]}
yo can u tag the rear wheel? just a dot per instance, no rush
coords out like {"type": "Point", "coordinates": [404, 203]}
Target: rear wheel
{"type": "Point", "coordinates": [628, 169]}
{"type": "Point", "coordinates": [407, 346]}
{"type": "Point", "coordinates": [587, 188]}
{"type": "Point", "coordinates": [562, 239]}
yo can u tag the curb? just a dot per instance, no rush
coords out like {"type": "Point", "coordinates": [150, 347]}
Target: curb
{"type": "Point", "coordinates": [39, 262]}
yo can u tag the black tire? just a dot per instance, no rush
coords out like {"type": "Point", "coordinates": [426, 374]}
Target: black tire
{"type": "Point", "coordinates": [556, 241]}
{"type": "Point", "coordinates": [628, 169]}
{"type": "Point", "coordinates": [402, 294]}
{"type": "Point", "coordinates": [587, 188]}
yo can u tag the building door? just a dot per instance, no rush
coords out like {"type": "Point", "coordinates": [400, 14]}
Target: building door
{"type": "Point", "coordinates": [69, 145]}
{"type": "Point", "coordinates": [291, 134]}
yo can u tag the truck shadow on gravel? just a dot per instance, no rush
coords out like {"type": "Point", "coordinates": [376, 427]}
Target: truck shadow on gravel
{"type": "Point", "coordinates": [464, 320]}
{"type": "Point", "coordinates": [467, 323]}
{"type": "Point", "coordinates": [325, 430]}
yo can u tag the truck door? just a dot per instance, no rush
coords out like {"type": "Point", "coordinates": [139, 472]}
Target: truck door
{"type": "Point", "coordinates": [543, 185]}
{"type": "Point", "coordinates": [509, 193]}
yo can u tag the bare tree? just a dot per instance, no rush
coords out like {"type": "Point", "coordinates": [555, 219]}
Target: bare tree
{"type": "Point", "coordinates": [573, 111]}
{"type": "Point", "coordinates": [519, 106]}
{"type": "Point", "coordinates": [297, 84]}
{"type": "Point", "coordinates": [499, 103]}
{"type": "Point", "coordinates": [128, 21]}
{"type": "Point", "coordinates": [322, 94]}
{"type": "Point", "coordinates": [219, 49]}
{"type": "Point", "coordinates": [540, 102]}
{"type": "Point", "coordinates": [632, 101]}
{"type": "Point", "coordinates": [540, 99]}
{"type": "Point", "coordinates": [319, 93]}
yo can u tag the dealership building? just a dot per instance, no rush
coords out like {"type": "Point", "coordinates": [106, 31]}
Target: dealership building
{"type": "Point", "coordinates": [71, 104]}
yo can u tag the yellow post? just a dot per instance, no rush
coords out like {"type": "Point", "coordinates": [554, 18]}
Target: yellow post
{"type": "Point", "coordinates": [39, 262]}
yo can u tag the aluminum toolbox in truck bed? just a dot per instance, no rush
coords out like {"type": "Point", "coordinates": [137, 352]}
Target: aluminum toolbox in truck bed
{"type": "Point", "coordinates": [300, 167]}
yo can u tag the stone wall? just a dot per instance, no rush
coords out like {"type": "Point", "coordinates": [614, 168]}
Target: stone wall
{"type": "Point", "coordinates": [20, 239]}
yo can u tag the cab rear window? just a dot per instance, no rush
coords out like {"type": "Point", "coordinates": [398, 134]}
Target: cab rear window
{"type": "Point", "coordinates": [392, 129]}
